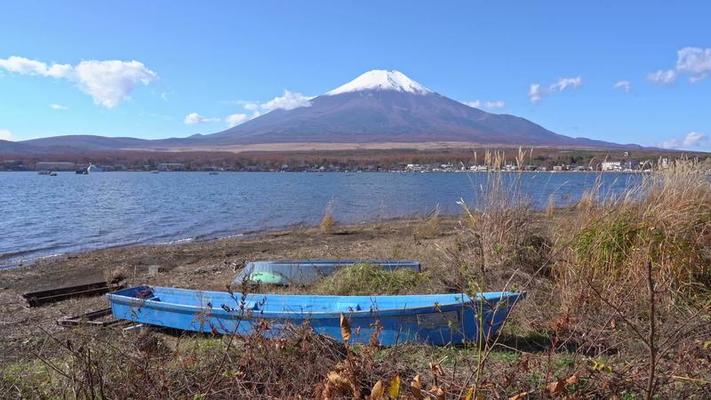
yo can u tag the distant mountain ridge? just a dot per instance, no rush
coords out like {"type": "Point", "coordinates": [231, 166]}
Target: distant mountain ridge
{"type": "Point", "coordinates": [378, 106]}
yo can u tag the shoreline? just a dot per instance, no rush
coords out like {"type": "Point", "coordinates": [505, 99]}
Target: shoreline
{"type": "Point", "coordinates": [206, 264]}
{"type": "Point", "coordinates": [29, 262]}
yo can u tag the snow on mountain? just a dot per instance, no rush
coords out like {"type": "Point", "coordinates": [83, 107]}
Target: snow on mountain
{"type": "Point", "coordinates": [380, 79]}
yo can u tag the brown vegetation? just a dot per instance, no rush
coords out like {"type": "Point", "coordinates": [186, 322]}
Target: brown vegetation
{"type": "Point", "coordinates": [364, 159]}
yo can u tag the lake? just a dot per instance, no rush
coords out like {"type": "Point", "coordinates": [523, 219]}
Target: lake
{"type": "Point", "coordinates": [44, 215]}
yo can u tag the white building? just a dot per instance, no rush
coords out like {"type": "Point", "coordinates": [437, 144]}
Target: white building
{"type": "Point", "coordinates": [611, 166]}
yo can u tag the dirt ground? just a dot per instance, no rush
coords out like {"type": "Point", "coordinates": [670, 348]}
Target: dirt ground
{"type": "Point", "coordinates": [197, 265]}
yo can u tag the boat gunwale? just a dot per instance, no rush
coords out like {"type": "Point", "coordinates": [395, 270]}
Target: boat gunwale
{"type": "Point", "coordinates": [247, 313]}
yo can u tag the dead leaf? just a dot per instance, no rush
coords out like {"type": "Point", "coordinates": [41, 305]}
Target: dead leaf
{"type": "Point", "coordinates": [470, 394]}
{"type": "Point", "coordinates": [416, 388]}
{"type": "Point", "coordinates": [374, 341]}
{"type": "Point", "coordinates": [335, 379]}
{"type": "Point", "coordinates": [345, 329]}
{"type": "Point", "coordinates": [437, 369]}
{"type": "Point", "coordinates": [556, 387]}
{"type": "Point", "coordinates": [572, 380]}
{"type": "Point", "coordinates": [437, 392]}
{"type": "Point", "coordinates": [394, 389]}
{"type": "Point", "coordinates": [519, 396]}
{"type": "Point", "coordinates": [378, 391]}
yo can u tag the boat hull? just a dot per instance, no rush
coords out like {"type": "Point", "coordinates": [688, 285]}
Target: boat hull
{"type": "Point", "coordinates": [435, 319]}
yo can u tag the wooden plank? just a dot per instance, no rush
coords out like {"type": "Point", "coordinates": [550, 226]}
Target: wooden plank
{"type": "Point", "coordinates": [90, 319]}
{"type": "Point", "coordinates": [38, 298]}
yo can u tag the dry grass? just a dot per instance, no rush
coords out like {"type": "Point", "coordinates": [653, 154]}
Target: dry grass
{"type": "Point", "coordinates": [327, 222]}
{"type": "Point", "coordinates": [367, 279]}
{"type": "Point", "coordinates": [430, 227]}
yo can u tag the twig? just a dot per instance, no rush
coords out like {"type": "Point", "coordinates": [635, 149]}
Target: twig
{"type": "Point", "coordinates": [652, 329]}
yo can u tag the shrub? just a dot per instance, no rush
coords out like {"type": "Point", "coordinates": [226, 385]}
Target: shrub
{"type": "Point", "coordinates": [500, 236]}
{"type": "Point", "coordinates": [327, 222]}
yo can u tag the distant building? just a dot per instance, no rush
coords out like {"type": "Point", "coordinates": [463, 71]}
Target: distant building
{"type": "Point", "coordinates": [170, 166]}
{"type": "Point", "coordinates": [55, 166]}
{"type": "Point", "coordinates": [611, 166]}
{"type": "Point", "coordinates": [631, 165]}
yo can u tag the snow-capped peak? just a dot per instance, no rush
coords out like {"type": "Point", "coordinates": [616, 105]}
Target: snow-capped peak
{"type": "Point", "coordinates": [380, 79]}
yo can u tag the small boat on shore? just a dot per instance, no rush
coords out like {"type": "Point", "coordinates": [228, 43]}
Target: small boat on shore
{"type": "Point", "coordinates": [306, 272]}
{"type": "Point", "coordinates": [437, 319]}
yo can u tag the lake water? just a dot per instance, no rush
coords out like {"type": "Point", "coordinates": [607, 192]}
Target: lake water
{"type": "Point", "coordinates": [44, 215]}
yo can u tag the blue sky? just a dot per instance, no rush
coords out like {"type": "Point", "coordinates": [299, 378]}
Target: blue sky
{"type": "Point", "coordinates": [164, 68]}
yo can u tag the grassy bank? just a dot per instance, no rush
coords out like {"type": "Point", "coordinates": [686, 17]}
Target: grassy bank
{"type": "Point", "coordinates": [618, 306]}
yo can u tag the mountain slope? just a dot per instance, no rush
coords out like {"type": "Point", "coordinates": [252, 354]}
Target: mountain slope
{"type": "Point", "coordinates": [386, 106]}
{"type": "Point", "coordinates": [376, 107]}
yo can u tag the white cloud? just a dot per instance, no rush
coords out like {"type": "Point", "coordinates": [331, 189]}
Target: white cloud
{"type": "Point", "coordinates": [490, 104]}
{"type": "Point", "coordinates": [111, 82]}
{"type": "Point", "coordinates": [236, 119]}
{"type": "Point", "coordinates": [691, 139]}
{"type": "Point", "coordinates": [251, 106]}
{"type": "Point", "coordinates": [25, 66]}
{"type": "Point", "coordinates": [5, 134]}
{"type": "Point", "coordinates": [473, 103]}
{"type": "Point", "coordinates": [288, 101]}
{"type": "Point", "coordinates": [195, 118]}
{"type": "Point", "coordinates": [565, 83]}
{"type": "Point", "coordinates": [662, 77]}
{"type": "Point", "coordinates": [108, 82]}
{"type": "Point", "coordinates": [535, 93]}
{"type": "Point", "coordinates": [694, 61]}
{"type": "Point", "coordinates": [58, 107]}
{"type": "Point", "coordinates": [625, 86]}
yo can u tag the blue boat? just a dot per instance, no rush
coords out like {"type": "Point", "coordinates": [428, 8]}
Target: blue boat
{"type": "Point", "coordinates": [438, 319]}
{"type": "Point", "coordinates": [306, 272]}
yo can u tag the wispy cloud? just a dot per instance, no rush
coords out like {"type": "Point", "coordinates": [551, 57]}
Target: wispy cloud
{"type": "Point", "coordinates": [26, 66]}
{"type": "Point", "coordinates": [5, 134]}
{"type": "Point", "coordinates": [625, 86]}
{"type": "Point", "coordinates": [694, 62]}
{"type": "Point", "coordinates": [536, 91]}
{"type": "Point", "coordinates": [662, 77]}
{"type": "Point", "coordinates": [108, 82]}
{"type": "Point", "coordinates": [488, 104]}
{"type": "Point", "coordinates": [566, 83]}
{"type": "Point", "coordinates": [58, 107]}
{"type": "Point", "coordinates": [236, 119]}
{"type": "Point", "coordinates": [195, 118]}
{"type": "Point", "coordinates": [688, 141]}
{"type": "Point", "coordinates": [287, 101]}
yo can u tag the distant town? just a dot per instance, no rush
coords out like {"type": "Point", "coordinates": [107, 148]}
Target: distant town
{"type": "Point", "coordinates": [442, 160]}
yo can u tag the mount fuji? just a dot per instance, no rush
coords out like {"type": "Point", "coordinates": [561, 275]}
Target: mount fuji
{"type": "Point", "coordinates": [382, 106]}
{"type": "Point", "coordinates": [378, 107]}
